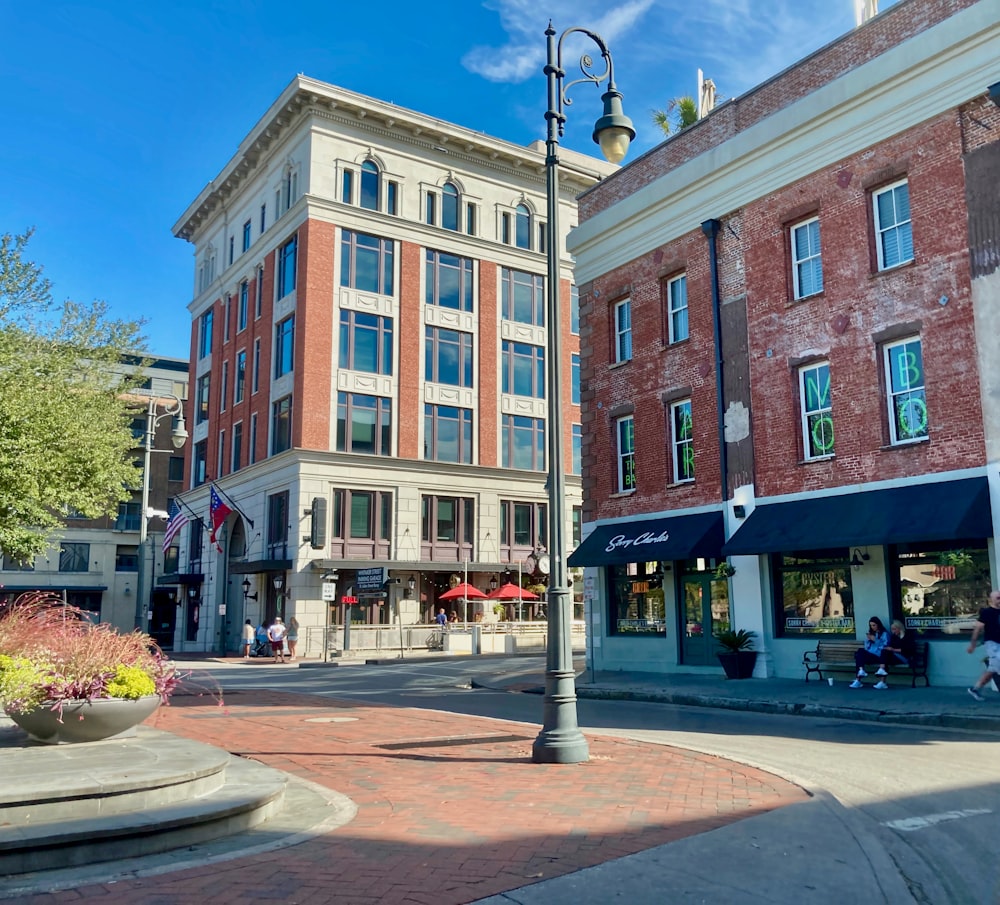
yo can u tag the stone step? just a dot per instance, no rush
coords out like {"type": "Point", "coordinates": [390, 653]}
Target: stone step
{"type": "Point", "coordinates": [58, 782]}
{"type": "Point", "coordinates": [248, 796]}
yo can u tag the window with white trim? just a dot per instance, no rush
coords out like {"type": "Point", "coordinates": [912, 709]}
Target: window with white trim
{"type": "Point", "coordinates": [677, 309]}
{"type": "Point", "coordinates": [287, 255]}
{"type": "Point", "coordinates": [281, 425]}
{"type": "Point", "coordinates": [622, 313]}
{"type": "Point", "coordinates": [447, 434]}
{"type": "Point", "coordinates": [682, 441]}
{"type": "Point", "coordinates": [523, 369]}
{"type": "Point", "coordinates": [371, 181]}
{"type": "Point", "coordinates": [448, 357]}
{"type": "Point", "coordinates": [625, 454]}
{"type": "Point", "coordinates": [366, 262]}
{"type": "Point", "coordinates": [365, 342]}
{"type": "Point", "coordinates": [522, 297]}
{"type": "Point", "coordinates": [905, 397]}
{"type": "Point", "coordinates": [364, 424]}
{"type": "Point", "coordinates": [205, 333]}
{"type": "Point", "coordinates": [448, 281]}
{"type": "Point", "coordinates": [244, 305]}
{"type": "Point", "coordinates": [449, 207]}
{"type": "Point", "coordinates": [816, 405]}
{"type": "Point", "coordinates": [239, 384]}
{"type": "Point", "coordinates": [893, 229]}
{"type": "Point", "coordinates": [522, 442]}
{"type": "Point", "coordinates": [807, 261]}
{"type": "Point", "coordinates": [284, 346]}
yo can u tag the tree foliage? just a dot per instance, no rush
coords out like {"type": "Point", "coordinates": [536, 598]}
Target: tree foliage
{"type": "Point", "coordinates": [66, 443]}
{"type": "Point", "coordinates": [680, 113]}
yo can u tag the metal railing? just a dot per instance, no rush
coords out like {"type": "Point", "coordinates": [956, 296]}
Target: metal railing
{"type": "Point", "coordinates": [458, 638]}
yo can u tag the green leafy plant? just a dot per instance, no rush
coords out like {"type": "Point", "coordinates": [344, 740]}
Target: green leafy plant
{"type": "Point", "coordinates": [51, 654]}
{"type": "Point", "coordinates": [724, 570]}
{"type": "Point", "coordinates": [733, 641]}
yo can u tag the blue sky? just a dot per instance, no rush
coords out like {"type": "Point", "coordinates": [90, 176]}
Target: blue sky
{"type": "Point", "coordinates": [116, 114]}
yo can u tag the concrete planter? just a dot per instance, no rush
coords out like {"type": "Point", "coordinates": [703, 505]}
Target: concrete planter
{"type": "Point", "coordinates": [86, 721]}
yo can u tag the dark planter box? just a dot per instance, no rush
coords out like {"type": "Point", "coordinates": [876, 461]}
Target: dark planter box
{"type": "Point", "coordinates": [738, 664]}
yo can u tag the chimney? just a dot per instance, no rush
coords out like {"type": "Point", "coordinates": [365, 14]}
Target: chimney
{"type": "Point", "coordinates": [865, 10]}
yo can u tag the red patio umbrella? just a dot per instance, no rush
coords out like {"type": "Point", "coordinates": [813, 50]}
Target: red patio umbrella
{"type": "Point", "coordinates": [511, 591]}
{"type": "Point", "coordinates": [462, 590]}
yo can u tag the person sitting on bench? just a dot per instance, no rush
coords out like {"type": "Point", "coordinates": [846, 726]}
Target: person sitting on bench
{"type": "Point", "coordinates": [875, 642]}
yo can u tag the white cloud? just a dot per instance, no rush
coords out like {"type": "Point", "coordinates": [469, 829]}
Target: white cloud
{"type": "Point", "coordinates": [524, 53]}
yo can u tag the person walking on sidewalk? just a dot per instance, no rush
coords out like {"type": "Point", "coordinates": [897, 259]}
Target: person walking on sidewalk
{"type": "Point", "coordinates": [987, 625]}
{"type": "Point", "coordinates": [875, 642]}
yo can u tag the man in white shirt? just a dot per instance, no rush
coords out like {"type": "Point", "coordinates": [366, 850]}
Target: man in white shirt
{"type": "Point", "coordinates": [276, 635]}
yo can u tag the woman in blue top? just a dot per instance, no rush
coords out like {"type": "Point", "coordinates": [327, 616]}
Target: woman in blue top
{"type": "Point", "coordinates": [875, 642]}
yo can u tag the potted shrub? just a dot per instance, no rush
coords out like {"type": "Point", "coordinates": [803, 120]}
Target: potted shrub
{"type": "Point", "coordinates": [64, 678]}
{"type": "Point", "coordinates": [736, 653]}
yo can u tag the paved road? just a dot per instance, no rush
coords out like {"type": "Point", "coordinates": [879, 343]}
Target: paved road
{"type": "Point", "coordinates": [916, 810]}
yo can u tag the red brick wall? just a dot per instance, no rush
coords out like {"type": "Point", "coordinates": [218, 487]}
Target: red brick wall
{"type": "Point", "coordinates": [655, 368]}
{"type": "Point", "coordinates": [315, 330]}
{"type": "Point", "coordinates": [841, 324]}
{"type": "Point", "coordinates": [893, 26]}
{"type": "Point", "coordinates": [857, 304]}
{"type": "Point", "coordinates": [411, 354]}
{"type": "Point", "coordinates": [488, 416]}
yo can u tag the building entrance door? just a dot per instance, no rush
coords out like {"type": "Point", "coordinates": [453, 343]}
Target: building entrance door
{"type": "Point", "coordinates": [163, 619]}
{"type": "Point", "coordinates": [706, 613]}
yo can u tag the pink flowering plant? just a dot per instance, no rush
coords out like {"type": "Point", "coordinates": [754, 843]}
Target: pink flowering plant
{"type": "Point", "coordinates": [52, 654]}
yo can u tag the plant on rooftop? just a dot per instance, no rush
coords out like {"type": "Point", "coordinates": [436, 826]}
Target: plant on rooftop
{"type": "Point", "coordinates": [51, 654]}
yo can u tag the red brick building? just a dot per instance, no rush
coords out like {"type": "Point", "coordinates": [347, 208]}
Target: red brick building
{"type": "Point", "coordinates": [789, 327]}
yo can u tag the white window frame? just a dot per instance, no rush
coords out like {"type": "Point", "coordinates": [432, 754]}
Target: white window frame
{"type": "Point", "coordinates": [897, 227]}
{"type": "Point", "coordinates": [625, 458]}
{"type": "Point", "coordinates": [908, 391]}
{"type": "Point", "coordinates": [677, 304]}
{"type": "Point", "coordinates": [623, 332]}
{"type": "Point", "coordinates": [813, 256]}
{"type": "Point", "coordinates": [681, 445]}
{"type": "Point", "coordinates": [816, 408]}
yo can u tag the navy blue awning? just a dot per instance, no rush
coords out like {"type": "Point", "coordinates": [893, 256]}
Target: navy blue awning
{"type": "Point", "coordinates": [651, 540]}
{"type": "Point", "coordinates": [938, 511]}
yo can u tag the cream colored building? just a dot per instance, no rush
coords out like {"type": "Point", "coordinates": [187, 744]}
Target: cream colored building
{"type": "Point", "coordinates": [368, 353]}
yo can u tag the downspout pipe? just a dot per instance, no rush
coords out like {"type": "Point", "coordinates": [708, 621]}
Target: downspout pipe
{"type": "Point", "coordinates": [711, 230]}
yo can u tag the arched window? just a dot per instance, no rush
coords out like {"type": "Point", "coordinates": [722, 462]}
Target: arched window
{"type": "Point", "coordinates": [449, 207]}
{"type": "Point", "coordinates": [522, 232]}
{"type": "Point", "coordinates": [369, 186]}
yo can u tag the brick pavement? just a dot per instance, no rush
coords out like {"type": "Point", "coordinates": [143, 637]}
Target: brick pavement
{"type": "Point", "coordinates": [450, 807]}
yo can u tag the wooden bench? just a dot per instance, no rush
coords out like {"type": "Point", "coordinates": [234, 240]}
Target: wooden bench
{"type": "Point", "coordinates": [837, 655]}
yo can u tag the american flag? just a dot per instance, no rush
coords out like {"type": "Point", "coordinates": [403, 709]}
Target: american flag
{"type": "Point", "coordinates": [176, 519]}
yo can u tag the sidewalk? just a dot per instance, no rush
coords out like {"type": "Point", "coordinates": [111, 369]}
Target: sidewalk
{"type": "Point", "coordinates": [941, 707]}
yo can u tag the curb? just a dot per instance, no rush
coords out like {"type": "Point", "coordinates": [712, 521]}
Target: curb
{"type": "Point", "coordinates": [986, 724]}
{"type": "Point", "coordinates": [940, 720]}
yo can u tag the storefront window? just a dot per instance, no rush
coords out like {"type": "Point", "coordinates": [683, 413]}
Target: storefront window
{"type": "Point", "coordinates": [636, 599]}
{"type": "Point", "coordinates": [939, 592]}
{"type": "Point", "coordinates": [812, 593]}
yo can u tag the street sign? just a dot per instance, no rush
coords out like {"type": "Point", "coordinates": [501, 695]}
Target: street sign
{"type": "Point", "coordinates": [370, 579]}
{"type": "Point", "coordinates": [329, 590]}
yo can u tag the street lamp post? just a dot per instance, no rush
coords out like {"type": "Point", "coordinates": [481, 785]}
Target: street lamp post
{"type": "Point", "coordinates": [178, 436]}
{"type": "Point", "coordinates": [560, 741]}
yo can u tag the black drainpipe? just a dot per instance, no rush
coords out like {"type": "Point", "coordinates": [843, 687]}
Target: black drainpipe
{"type": "Point", "coordinates": [711, 230]}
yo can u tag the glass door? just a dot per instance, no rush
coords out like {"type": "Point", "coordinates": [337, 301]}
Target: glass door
{"type": "Point", "coordinates": [705, 614]}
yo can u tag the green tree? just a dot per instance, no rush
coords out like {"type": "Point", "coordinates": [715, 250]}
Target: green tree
{"type": "Point", "coordinates": [680, 113]}
{"type": "Point", "coordinates": [66, 444]}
